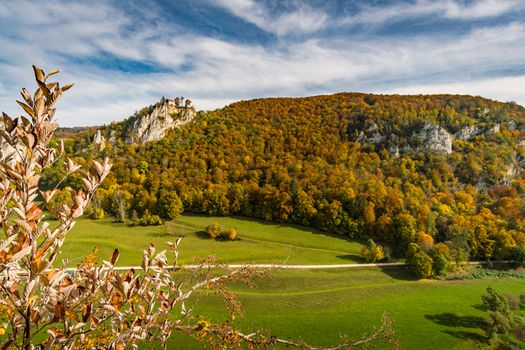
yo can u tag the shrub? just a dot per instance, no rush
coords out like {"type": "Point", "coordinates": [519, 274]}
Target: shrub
{"type": "Point", "coordinates": [418, 261]}
{"type": "Point", "coordinates": [440, 265]}
{"type": "Point", "coordinates": [213, 230]}
{"type": "Point", "coordinates": [372, 252]}
{"type": "Point", "coordinates": [232, 234]}
{"type": "Point", "coordinates": [97, 214]}
{"type": "Point", "coordinates": [147, 219]}
{"type": "Point", "coordinates": [441, 259]}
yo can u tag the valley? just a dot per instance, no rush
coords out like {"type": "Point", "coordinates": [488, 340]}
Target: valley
{"type": "Point", "coordinates": [313, 305]}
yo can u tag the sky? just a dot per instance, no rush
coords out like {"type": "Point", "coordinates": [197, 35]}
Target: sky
{"type": "Point", "coordinates": [124, 55]}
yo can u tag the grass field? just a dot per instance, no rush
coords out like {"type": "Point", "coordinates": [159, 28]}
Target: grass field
{"type": "Point", "coordinates": [318, 306]}
{"type": "Point", "coordinates": [314, 305]}
{"type": "Point", "coordinates": [260, 242]}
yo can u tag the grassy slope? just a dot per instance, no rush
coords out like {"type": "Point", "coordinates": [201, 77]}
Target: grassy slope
{"type": "Point", "coordinates": [260, 242]}
{"type": "Point", "coordinates": [313, 305]}
{"type": "Point", "coordinates": [318, 306]}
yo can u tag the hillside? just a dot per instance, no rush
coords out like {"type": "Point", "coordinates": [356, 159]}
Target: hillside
{"type": "Point", "coordinates": [398, 169]}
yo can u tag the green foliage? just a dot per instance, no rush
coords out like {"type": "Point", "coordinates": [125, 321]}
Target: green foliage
{"type": "Point", "coordinates": [440, 265]}
{"type": "Point", "coordinates": [213, 230]}
{"type": "Point", "coordinates": [492, 274]}
{"type": "Point", "coordinates": [517, 254]}
{"type": "Point", "coordinates": [372, 252]}
{"type": "Point", "coordinates": [97, 214]}
{"type": "Point", "coordinates": [61, 197]}
{"type": "Point", "coordinates": [418, 261]}
{"type": "Point", "coordinates": [147, 219]}
{"type": "Point", "coordinates": [232, 234]}
{"type": "Point", "coordinates": [170, 205]}
{"type": "Point", "coordinates": [501, 317]}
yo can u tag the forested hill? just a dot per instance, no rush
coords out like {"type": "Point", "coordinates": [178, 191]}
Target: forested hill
{"type": "Point", "coordinates": [397, 169]}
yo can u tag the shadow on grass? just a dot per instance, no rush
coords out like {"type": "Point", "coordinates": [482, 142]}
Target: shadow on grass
{"type": "Point", "coordinates": [165, 234]}
{"type": "Point", "coordinates": [401, 273]}
{"type": "Point", "coordinates": [202, 235]}
{"type": "Point", "coordinates": [466, 335]}
{"type": "Point", "coordinates": [480, 307]}
{"type": "Point", "coordinates": [453, 320]}
{"type": "Point", "coordinates": [351, 257]}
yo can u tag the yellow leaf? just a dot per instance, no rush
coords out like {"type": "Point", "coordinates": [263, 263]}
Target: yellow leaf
{"type": "Point", "coordinates": [72, 315]}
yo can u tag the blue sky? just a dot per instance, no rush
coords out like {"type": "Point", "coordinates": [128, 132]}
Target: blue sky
{"type": "Point", "coordinates": [123, 55]}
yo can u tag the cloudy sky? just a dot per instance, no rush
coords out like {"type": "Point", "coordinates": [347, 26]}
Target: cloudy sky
{"type": "Point", "coordinates": [123, 55]}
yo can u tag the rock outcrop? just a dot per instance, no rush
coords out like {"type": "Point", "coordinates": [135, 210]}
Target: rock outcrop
{"type": "Point", "coordinates": [471, 131]}
{"type": "Point", "coordinates": [467, 132]}
{"type": "Point", "coordinates": [152, 124]}
{"type": "Point", "coordinates": [99, 140]}
{"type": "Point", "coordinates": [433, 138]}
{"type": "Point", "coordinates": [430, 137]}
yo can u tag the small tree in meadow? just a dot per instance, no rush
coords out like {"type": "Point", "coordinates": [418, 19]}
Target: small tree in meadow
{"type": "Point", "coordinates": [501, 317]}
{"type": "Point", "coordinates": [232, 234]}
{"type": "Point", "coordinates": [213, 230]}
{"type": "Point", "coordinates": [372, 252]}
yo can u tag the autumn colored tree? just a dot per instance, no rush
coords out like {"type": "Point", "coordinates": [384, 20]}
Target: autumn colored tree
{"type": "Point", "coordinates": [419, 261]}
{"type": "Point", "coordinates": [372, 252]}
{"type": "Point", "coordinates": [214, 230]}
{"type": "Point", "coordinates": [232, 234]}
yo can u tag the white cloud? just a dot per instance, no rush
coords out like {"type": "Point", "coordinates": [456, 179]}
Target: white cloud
{"type": "Point", "coordinates": [451, 9]}
{"type": "Point", "coordinates": [223, 71]}
{"type": "Point", "coordinates": [301, 19]}
{"type": "Point", "coordinates": [480, 8]}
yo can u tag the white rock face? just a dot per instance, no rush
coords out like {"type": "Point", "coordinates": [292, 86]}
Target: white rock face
{"type": "Point", "coordinates": [375, 138]}
{"type": "Point", "coordinates": [112, 137]}
{"type": "Point", "coordinates": [493, 130]}
{"type": "Point", "coordinates": [434, 139]}
{"type": "Point", "coordinates": [467, 132]}
{"type": "Point", "coordinates": [474, 130]}
{"type": "Point", "coordinates": [511, 125]}
{"type": "Point", "coordinates": [99, 140]}
{"type": "Point", "coordinates": [394, 151]}
{"type": "Point", "coordinates": [164, 117]}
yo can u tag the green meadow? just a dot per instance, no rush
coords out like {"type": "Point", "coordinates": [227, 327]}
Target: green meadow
{"type": "Point", "coordinates": [259, 242]}
{"type": "Point", "coordinates": [316, 306]}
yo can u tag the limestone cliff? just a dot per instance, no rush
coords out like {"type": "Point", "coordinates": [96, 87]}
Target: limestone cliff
{"type": "Point", "coordinates": [433, 138]}
{"type": "Point", "coordinates": [428, 137]}
{"type": "Point", "coordinates": [99, 140]}
{"type": "Point", "coordinates": [152, 123]}
{"type": "Point", "coordinates": [474, 130]}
